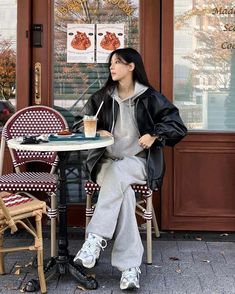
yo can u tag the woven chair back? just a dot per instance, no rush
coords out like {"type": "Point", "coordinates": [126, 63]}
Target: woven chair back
{"type": "Point", "coordinates": [31, 121]}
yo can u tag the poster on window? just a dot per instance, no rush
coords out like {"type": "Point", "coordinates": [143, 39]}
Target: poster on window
{"type": "Point", "coordinates": [80, 43]}
{"type": "Point", "coordinates": [109, 37]}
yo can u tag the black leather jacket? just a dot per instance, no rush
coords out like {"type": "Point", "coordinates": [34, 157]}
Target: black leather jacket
{"type": "Point", "coordinates": [155, 115]}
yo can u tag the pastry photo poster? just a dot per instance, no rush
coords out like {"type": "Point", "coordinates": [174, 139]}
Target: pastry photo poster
{"type": "Point", "coordinates": [109, 37]}
{"type": "Point", "coordinates": [80, 43]}
{"type": "Point", "coordinates": [90, 43]}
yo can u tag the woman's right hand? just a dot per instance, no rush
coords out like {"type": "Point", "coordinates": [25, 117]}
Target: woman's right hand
{"type": "Point", "coordinates": [104, 133]}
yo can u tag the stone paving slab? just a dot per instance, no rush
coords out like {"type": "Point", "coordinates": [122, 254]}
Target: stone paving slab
{"type": "Point", "coordinates": [208, 257]}
{"type": "Point", "coordinates": [190, 246]}
{"type": "Point", "coordinates": [227, 269]}
{"type": "Point", "coordinates": [216, 246]}
{"type": "Point", "coordinates": [183, 284]}
{"type": "Point", "coordinates": [188, 265]}
{"type": "Point", "coordinates": [218, 284]}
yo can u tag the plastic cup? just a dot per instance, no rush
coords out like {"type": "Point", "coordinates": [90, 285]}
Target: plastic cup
{"type": "Point", "coordinates": [90, 125]}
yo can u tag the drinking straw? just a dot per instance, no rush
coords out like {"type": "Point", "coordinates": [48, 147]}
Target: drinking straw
{"type": "Point", "coordinates": [101, 104]}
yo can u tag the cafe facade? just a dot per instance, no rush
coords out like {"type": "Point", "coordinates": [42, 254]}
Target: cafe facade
{"type": "Point", "coordinates": [54, 53]}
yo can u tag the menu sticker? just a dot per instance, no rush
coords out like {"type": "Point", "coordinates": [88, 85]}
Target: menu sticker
{"type": "Point", "coordinates": [80, 43]}
{"type": "Point", "coordinates": [109, 37]}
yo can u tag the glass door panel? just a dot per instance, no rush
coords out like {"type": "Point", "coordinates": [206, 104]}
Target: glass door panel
{"type": "Point", "coordinates": [8, 26]}
{"type": "Point", "coordinates": [85, 32]}
{"type": "Point", "coordinates": [204, 63]}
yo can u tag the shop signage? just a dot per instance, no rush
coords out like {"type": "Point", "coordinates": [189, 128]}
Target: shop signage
{"type": "Point", "coordinates": [228, 27]}
{"type": "Point", "coordinates": [123, 5]}
{"type": "Point", "coordinates": [223, 10]}
{"type": "Point", "coordinates": [75, 6]}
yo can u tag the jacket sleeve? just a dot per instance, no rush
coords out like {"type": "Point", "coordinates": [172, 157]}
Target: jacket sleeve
{"type": "Point", "coordinates": [167, 123]}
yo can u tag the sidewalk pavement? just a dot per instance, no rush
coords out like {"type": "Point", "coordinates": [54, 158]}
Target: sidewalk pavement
{"type": "Point", "coordinates": [183, 263]}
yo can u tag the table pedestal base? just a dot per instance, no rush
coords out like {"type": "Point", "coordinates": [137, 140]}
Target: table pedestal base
{"type": "Point", "coordinates": [62, 265]}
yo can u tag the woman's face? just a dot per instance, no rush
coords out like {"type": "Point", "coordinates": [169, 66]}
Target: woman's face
{"type": "Point", "coordinates": [120, 69]}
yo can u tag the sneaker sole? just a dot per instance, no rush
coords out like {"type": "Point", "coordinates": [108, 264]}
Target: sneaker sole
{"type": "Point", "coordinates": [79, 261]}
{"type": "Point", "coordinates": [131, 286]}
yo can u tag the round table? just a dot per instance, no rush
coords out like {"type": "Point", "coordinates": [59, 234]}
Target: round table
{"type": "Point", "coordinates": [63, 263]}
{"type": "Point", "coordinates": [62, 145]}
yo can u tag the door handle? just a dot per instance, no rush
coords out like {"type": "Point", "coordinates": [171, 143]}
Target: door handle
{"type": "Point", "coordinates": [37, 83]}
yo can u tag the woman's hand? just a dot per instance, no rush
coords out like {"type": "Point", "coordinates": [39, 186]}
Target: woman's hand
{"type": "Point", "coordinates": [104, 133]}
{"type": "Point", "coordinates": [146, 141]}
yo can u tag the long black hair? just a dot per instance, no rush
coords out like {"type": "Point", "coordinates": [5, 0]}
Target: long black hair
{"type": "Point", "coordinates": [128, 55]}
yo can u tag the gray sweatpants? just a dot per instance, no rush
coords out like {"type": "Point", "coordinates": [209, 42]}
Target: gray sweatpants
{"type": "Point", "coordinates": [114, 214]}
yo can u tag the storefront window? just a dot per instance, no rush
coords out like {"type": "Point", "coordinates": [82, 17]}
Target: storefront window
{"type": "Point", "coordinates": [8, 22]}
{"type": "Point", "coordinates": [204, 63]}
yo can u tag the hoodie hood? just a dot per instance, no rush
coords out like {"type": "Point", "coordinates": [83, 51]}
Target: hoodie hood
{"type": "Point", "coordinates": [139, 89]}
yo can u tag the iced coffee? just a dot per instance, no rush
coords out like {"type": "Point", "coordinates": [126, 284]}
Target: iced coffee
{"type": "Point", "coordinates": [90, 125]}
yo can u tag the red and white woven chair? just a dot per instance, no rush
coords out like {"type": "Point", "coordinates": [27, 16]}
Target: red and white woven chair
{"type": "Point", "coordinates": [144, 208]}
{"type": "Point", "coordinates": [33, 120]}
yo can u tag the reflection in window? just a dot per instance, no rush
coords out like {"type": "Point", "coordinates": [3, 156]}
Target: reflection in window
{"type": "Point", "coordinates": [8, 12]}
{"type": "Point", "coordinates": [75, 82]}
{"type": "Point", "coordinates": [204, 64]}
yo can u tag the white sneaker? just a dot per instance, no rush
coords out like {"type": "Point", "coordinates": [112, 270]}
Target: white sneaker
{"type": "Point", "coordinates": [130, 279]}
{"type": "Point", "coordinates": [90, 251]}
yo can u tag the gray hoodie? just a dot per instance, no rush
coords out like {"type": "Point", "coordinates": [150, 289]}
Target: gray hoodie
{"type": "Point", "coordinates": [125, 131]}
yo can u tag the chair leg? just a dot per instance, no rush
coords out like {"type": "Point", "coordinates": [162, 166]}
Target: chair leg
{"type": "Point", "coordinates": [2, 267]}
{"type": "Point", "coordinates": [149, 230]}
{"type": "Point", "coordinates": [39, 247]}
{"type": "Point", "coordinates": [53, 224]}
{"type": "Point", "coordinates": [89, 211]}
{"type": "Point", "coordinates": [155, 224]}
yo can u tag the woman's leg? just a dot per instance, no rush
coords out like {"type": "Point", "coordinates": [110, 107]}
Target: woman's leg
{"type": "Point", "coordinates": [115, 211]}
{"type": "Point", "coordinates": [104, 219]}
{"type": "Point", "coordinates": [127, 249]}
{"type": "Point", "coordinates": [115, 180]}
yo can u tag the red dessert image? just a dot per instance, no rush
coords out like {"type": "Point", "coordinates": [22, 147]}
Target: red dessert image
{"type": "Point", "coordinates": [81, 41]}
{"type": "Point", "coordinates": [110, 41]}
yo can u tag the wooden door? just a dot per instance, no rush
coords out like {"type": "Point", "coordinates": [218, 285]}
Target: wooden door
{"type": "Point", "coordinates": [43, 15]}
{"type": "Point", "coordinates": [198, 191]}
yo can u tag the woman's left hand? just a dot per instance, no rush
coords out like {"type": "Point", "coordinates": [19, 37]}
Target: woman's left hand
{"type": "Point", "coordinates": [104, 133]}
{"type": "Point", "coordinates": [146, 141]}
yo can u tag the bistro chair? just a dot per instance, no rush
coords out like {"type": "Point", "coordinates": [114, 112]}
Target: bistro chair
{"type": "Point", "coordinates": [33, 120]}
{"type": "Point", "coordinates": [144, 208]}
{"type": "Point", "coordinates": [15, 209]}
